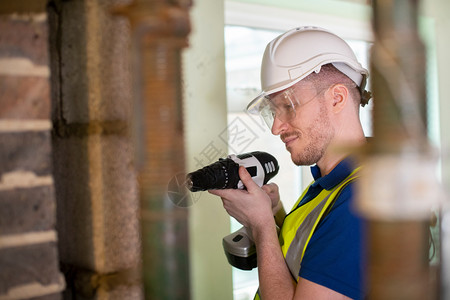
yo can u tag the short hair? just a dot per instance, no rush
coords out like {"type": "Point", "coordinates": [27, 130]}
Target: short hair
{"type": "Point", "coordinates": [330, 75]}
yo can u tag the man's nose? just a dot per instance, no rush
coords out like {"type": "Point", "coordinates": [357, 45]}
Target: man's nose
{"type": "Point", "coordinates": [278, 126]}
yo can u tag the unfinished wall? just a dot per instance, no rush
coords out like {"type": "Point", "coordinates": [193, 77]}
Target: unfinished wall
{"type": "Point", "coordinates": [95, 181]}
{"type": "Point", "coordinates": [28, 240]}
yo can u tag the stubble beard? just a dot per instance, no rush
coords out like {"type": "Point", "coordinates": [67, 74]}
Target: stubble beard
{"type": "Point", "coordinates": [319, 133]}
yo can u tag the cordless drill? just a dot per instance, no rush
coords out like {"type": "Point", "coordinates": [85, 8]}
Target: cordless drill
{"type": "Point", "coordinates": [224, 174]}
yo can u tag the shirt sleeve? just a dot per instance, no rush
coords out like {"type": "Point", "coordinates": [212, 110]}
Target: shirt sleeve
{"type": "Point", "coordinates": [335, 255]}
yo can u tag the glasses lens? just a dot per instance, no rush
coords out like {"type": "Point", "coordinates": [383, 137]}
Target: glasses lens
{"type": "Point", "coordinates": [283, 105]}
{"type": "Point", "coordinates": [267, 113]}
{"type": "Point", "coordinates": [280, 105]}
{"type": "Point", "coordinates": [261, 106]}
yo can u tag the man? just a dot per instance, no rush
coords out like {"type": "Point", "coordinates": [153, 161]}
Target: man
{"type": "Point", "coordinates": [312, 88]}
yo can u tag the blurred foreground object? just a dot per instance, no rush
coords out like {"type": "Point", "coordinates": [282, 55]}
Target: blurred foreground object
{"type": "Point", "coordinates": [159, 32]}
{"type": "Point", "coordinates": [398, 187]}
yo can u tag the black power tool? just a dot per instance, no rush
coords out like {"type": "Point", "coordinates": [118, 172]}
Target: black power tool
{"type": "Point", "coordinates": [223, 174]}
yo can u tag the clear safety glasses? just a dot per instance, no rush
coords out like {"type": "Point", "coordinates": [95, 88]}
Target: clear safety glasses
{"type": "Point", "coordinates": [281, 105]}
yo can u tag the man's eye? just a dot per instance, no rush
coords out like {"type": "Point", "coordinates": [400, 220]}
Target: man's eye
{"type": "Point", "coordinates": [287, 107]}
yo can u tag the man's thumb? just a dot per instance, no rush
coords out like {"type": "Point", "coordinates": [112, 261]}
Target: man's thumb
{"type": "Point", "coordinates": [246, 179]}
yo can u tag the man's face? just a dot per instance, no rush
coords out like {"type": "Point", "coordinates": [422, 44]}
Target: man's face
{"type": "Point", "coordinates": [309, 133]}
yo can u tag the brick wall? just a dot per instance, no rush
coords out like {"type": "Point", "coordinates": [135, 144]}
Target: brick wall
{"type": "Point", "coordinates": [95, 179]}
{"type": "Point", "coordinates": [69, 225]}
{"type": "Point", "coordinates": [29, 266]}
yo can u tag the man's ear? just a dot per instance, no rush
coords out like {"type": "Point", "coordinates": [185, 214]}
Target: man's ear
{"type": "Point", "coordinates": [339, 96]}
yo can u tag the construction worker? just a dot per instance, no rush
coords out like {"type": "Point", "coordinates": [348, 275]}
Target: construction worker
{"type": "Point", "coordinates": [312, 86]}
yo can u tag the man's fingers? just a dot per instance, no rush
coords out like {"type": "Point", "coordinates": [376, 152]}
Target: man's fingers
{"type": "Point", "coordinates": [220, 193]}
{"type": "Point", "coordinates": [246, 179]}
{"type": "Point", "coordinates": [270, 188]}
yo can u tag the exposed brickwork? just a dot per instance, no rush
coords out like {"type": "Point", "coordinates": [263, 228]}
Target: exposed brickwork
{"type": "Point", "coordinates": [92, 62]}
{"type": "Point", "coordinates": [24, 97]}
{"type": "Point", "coordinates": [24, 37]}
{"type": "Point", "coordinates": [108, 218]}
{"type": "Point", "coordinates": [28, 264]}
{"type": "Point", "coordinates": [25, 151]}
{"type": "Point", "coordinates": [119, 285]}
{"type": "Point", "coordinates": [95, 180]}
{"type": "Point", "coordinates": [27, 210]}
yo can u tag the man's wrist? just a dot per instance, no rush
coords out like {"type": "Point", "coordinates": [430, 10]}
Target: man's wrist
{"type": "Point", "coordinates": [277, 207]}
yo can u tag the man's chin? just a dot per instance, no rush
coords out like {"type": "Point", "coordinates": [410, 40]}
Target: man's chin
{"type": "Point", "coordinates": [303, 160]}
{"type": "Point", "coordinates": [295, 159]}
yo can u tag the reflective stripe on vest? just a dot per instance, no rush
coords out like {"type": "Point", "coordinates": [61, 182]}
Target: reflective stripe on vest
{"type": "Point", "coordinates": [300, 224]}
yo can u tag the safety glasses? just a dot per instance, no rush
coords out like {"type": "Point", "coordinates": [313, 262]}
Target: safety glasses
{"type": "Point", "coordinates": [281, 105]}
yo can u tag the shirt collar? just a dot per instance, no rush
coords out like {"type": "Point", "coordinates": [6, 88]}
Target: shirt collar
{"type": "Point", "coordinates": [339, 173]}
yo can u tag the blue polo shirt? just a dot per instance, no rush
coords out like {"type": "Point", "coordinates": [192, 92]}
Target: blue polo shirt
{"type": "Point", "coordinates": [335, 256]}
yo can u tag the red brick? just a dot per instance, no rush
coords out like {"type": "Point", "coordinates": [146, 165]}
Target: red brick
{"type": "Point", "coordinates": [24, 38]}
{"type": "Point", "coordinates": [27, 210]}
{"type": "Point", "coordinates": [25, 151]}
{"type": "Point", "coordinates": [24, 97]}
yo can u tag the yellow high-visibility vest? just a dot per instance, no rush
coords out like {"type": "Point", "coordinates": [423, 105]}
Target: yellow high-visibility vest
{"type": "Point", "coordinates": [300, 224]}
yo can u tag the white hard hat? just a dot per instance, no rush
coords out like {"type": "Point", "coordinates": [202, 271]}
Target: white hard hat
{"type": "Point", "coordinates": [297, 53]}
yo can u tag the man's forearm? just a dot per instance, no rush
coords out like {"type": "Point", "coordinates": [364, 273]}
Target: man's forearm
{"type": "Point", "coordinates": [275, 280]}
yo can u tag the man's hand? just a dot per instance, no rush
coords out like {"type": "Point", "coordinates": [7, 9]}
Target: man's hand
{"type": "Point", "coordinates": [252, 207]}
{"type": "Point", "coordinates": [271, 189]}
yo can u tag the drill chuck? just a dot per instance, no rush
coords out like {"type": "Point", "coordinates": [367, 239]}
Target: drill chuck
{"type": "Point", "coordinates": [224, 173]}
